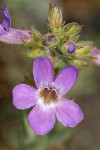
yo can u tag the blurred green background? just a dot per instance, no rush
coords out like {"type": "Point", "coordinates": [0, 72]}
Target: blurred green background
{"type": "Point", "coordinates": [16, 68]}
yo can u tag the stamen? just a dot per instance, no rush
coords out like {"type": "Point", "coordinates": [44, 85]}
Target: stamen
{"type": "Point", "coordinates": [48, 94]}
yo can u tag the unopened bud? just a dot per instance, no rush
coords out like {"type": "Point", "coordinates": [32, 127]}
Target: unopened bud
{"type": "Point", "coordinates": [50, 40]}
{"type": "Point", "coordinates": [68, 47]}
{"type": "Point", "coordinates": [55, 16]}
{"type": "Point", "coordinates": [71, 47]}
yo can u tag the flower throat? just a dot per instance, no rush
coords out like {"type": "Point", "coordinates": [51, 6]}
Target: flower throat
{"type": "Point", "coordinates": [48, 94]}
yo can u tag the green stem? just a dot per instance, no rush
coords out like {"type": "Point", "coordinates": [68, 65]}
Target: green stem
{"type": "Point", "coordinates": [25, 125]}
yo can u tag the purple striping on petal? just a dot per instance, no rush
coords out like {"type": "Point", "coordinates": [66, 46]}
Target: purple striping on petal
{"type": "Point", "coordinates": [6, 22]}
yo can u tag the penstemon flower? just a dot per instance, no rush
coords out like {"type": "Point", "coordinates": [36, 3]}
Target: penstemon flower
{"type": "Point", "coordinates": [48, 99]}
{"type": "Point", "coordinates": [61, 40]}
{"type": "Point", "coordinates": [10, 35]}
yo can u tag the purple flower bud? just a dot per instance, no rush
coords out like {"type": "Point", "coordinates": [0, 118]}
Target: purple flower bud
{"type": "Point", "coordinates": [71, 47]}
{"type": "Point", "coordinates": [6, 22]}
{"type": "Point", "coordinates": [49, 39]}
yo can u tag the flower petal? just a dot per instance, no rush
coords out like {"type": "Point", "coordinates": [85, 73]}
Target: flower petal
{"type": "Point", "coordinates": [24, 96]}
{"type": "Point", "coordinates": [42, 71]}
{"type": "Point", "coordinates": [6, 22]}
{"type": "Point", "coordinates": [15, 36]}
{"type": "Point", "coordinates": [66, 79]}
{"type": "Point", "coordinates": [41, 120]}
{"type": "Point", "coordinates": [69, 113]}
{"type": "Point", "coordinates": [10, 35]}
{"type": "Point", "coordinates": [96, 54]}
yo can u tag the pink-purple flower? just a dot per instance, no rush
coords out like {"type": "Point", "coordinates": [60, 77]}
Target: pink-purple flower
{"type": "Point", "coordinates": [96, 54]}
{"type": "Point", "coordinates": [10, 35]}
{"type": "Point", "coordinates": [48, 99]}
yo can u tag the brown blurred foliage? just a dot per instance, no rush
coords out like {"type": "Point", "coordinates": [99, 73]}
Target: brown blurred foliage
{"type": "Point", "coordinates": [80, 8]}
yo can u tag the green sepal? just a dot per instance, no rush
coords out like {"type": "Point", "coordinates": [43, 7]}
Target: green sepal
{"type": "Point", "coordinates": [32, 44]}
{"type": "Point", "coordinates": [36, 39]}
{"type": "Point", "coordinates": [85, 43]}
{"type": "Point", "coordinates": [84, 50]}
{"type": "Point", "coordinates": [90, 56]}
{"type": "Point", "coordinates": [72, 28]}
{"type": "Point", "coordinates": [34, 53]}
{"type": "Point", "coordinates": [75, 38]}
{"type": "Point", "coordinates": [59, 51]}
{"type": "Point", "coordinates": [37, 36]}
{"type": "Point", "coordinates": [79, 63]}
